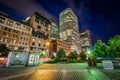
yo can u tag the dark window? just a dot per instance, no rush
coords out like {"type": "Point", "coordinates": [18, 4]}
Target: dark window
{"type": "Point", "coordinates": [39, 27]}
{"type": "Point", "coordinates": [6, 28]}
{"type": "Point", "coordinates": [31, 48]}
{"type": "Point", "coordinates": [37, 20]}
{"type": "Point", "coordinates": [25, 43]}
{"type": "Point", "coordinates": [46, 29]}
{"type": "Point", "coordinates": [39, 44]}
{"type": "Point", "coordinates": [9, 29]}
{"type": "Point", "coordinates": [46, 24]}
{"type": "Point", "coordinates": [43, 45]}
{"type": "Point", "coordinates": [33, 43]}
{"type": "Point", "coordinates": [4, 33]}
{"type": "Point", "coordinates": [22, 33]}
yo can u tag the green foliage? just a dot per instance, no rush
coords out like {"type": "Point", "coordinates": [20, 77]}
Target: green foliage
{"type": "Point", "coordinates": [81, 61]}
{"type": "Point", "coordinates": [72, 61]}
{"type": "Point", "coordinates": [100, 49]}
{"type": "Point", "coordinates": [61, 53]}
{"type": "Point", "coordinates": [114, 46]}
{"type": "Point", "coordinates": [82, 55]}
{"type": "Point", "coordinates": [73, 55]}
{"type": "Point", "coordinates": [52, 56]}
{"type": "Point", "coordinates": [112, 50]}
{"type": "Point", "coordinates": [4, 50]}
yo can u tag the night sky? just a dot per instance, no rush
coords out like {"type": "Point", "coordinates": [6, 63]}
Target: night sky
{"type": "Point", "coordinates": [101, 17]}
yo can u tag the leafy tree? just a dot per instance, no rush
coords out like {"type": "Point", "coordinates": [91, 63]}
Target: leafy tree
{"type": "Point", "coordinates": [4, 50]}
{"type": "Point", "coordinates": [83, 56]}
{"type": "Point", "coordinates": [61, 53]}
{"type": "Point", "coordinates": [73, 55]}
{"type": "Point", "coordinates": [100, 49]}
{"type": "Point", "coordinates": [52, 56]}
{"type": "Point", "coordinates": [114, 46]}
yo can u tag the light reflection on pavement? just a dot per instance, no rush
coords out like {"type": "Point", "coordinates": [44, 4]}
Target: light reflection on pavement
{"type": "Point", "coordinates": [64, 72]}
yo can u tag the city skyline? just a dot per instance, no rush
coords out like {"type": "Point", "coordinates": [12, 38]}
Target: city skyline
{"type": "Point", "coordinates": [101, 17]}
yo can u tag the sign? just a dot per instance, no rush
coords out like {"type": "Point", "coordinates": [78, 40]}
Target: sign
{"type": "Point", "coordinates": [31, 59]}
{"type": "Point", "coordinates": [107, 64]}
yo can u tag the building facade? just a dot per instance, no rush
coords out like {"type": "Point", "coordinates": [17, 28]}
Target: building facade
{"type": "Point", "coordinates": [54, 31]}
{"type": "Point", "coordinates": [57, 44]}
{"type": "Point", "coordinates": [40, 32]}
{"type": "Point", "coordinates": [85, 40]}
{"type": "Point", "coordinates": [69, 31]}
{"type": "Point", "coordinates": [14, 34]}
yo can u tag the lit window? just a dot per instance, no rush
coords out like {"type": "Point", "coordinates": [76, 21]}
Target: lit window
{"type": "Point", "coordinates": [33, 39]}
{"type": "Point", "coordinates": [0, 27]}
{"type": "Point", "coordinates": [5, 40]}
{"type": "Point", "coordinates": [17, 26]}
{"type": "Point", "coordinates": [9, 23]}
{"type": "Point", "coordinates": [4, 33]}
{"type": "Point", "coordinates": [1, 39]}
{"type": "Point", "coordinates": [14, 41]}
{"type": "Point", "coordinates": [2, 20]}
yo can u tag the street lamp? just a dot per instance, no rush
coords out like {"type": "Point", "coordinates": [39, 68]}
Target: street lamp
{"type": "Point", "coordinates": [88, 53]}
{"type": "Point", "coordinates": [48, 45]}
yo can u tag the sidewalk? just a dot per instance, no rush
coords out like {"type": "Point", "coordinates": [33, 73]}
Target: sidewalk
{"type": "Point", "coordinates": [10, 71]}
{"type": "Point", "coordinates": [59, 72]}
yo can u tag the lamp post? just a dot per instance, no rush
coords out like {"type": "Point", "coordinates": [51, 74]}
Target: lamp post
{"type": "Point", "coordinates": [48, 45]}
{"type": "Point", "coordinates": [88, 53]}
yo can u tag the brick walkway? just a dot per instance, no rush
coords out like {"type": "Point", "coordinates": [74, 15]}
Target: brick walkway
{"type": "Point", "coordinates": [63, 72]}
{"type": "Point", "coordinates": [68, 75]}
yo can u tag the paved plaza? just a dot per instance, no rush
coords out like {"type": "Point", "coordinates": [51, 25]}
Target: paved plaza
{"type": "Point", "coordinates": [57, 72]}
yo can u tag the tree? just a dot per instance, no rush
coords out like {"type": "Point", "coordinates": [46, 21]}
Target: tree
{"type": "Point", "coordinates": [82, 55]}
{"type": "Point", "coordinates": [114, 46]}
{"type": "Point", "coordinates": [100, 49]}
{"type": "Point", "coordinates": [61, 53]}
{"type": "Point", "coordinates": [73, 55]}
{"type": "Point", "coordinates": [4, 50]}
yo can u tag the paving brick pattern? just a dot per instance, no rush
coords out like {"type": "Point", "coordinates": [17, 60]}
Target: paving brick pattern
{"type": "Point", "coordinates": [63, 72]}
{"type": "Point", "coordinates": [68, 75]}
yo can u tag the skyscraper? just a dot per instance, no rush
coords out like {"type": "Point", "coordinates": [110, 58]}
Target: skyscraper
{"type": "Point", "coordinates": [85, 40]}
{"type": "Point", "coordinates": [54, 33]}
{"type": "Point", "coordinates": [68, 24]}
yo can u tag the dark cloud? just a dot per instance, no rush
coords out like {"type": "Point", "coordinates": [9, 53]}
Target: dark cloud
{"type": "Point", "coordinates": [26, 8]}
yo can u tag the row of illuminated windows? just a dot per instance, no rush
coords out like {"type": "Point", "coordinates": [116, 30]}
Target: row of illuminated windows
{"type": "Point", "coordinates": [11, 41]}
{"type": "Point", "coordinates": [11, 23]}
{"type": "Point", "coordinates": [7, 41]}
{"type": "Point", "coordinates": [6, 34]}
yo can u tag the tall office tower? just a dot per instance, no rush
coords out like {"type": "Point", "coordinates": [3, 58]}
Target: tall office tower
{"type": "Point", "coordinates": [40, 32]}
{"type": "Point", "coordinates": [85, 40]}
{"type": "Point", "coordinates": [69, 31]}
{"type": "Point", "coordinates": [54, 31]}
